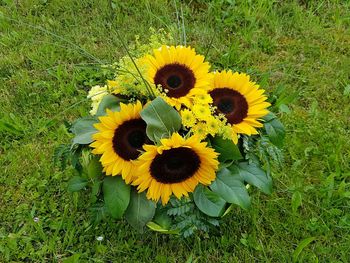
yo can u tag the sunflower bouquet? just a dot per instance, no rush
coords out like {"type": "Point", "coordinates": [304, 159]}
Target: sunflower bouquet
{"type": "Point", "coordinates": [171, 145]}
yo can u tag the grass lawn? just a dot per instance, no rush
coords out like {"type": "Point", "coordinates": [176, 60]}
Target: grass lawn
{"type": "Point", "coordinates": [48, 51]}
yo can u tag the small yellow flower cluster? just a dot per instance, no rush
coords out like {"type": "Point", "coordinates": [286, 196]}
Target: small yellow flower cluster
{"type": "Point", "coordinates": [128, 80]}
{"type": "Point", "coordinates": [201, 118]}
{"type": "Point", "coordinates": [96, 94]}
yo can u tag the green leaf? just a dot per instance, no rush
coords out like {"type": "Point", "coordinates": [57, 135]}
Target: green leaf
{"type": "Point", "coordinates": [76, 183]}
{"type": "Point", "coordinates": [161, 218]}
{"type": "Point", "coordinates": [162, 119]}
{"type": "Point", "coordinates": [109, 102]}
{"type": "Point", "coordinates": [116, 194]}
{"type": "Point", "coordinates": [274, 129]}
{"type": "Point", "coordinates": [83, 129]}
{"type": "Point", "coordinates": [140, 210]}
{"type": "Point", "coordinates": [95, 191]}
{"type": "Point", "coordinates": [231, 188]}
{"type": "Point", "coordinates": [208, 202]}
{"type": "Point", "coordinates": [228, 210]}
{"type": "Point", "coordinates": [296, 201]}
{"type": "Point", "coordinates": [227, 149]}
{"type": "Point", "coordinates": [155, 227]}
{"type": "Point", "coordinates": [305, 242]}
{"type": "Point", "coordinates": [94, 168]}
{"type": "Point", "coordinates": [254, 175]}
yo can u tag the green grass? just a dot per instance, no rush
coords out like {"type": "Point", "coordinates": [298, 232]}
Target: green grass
{"type": "Point", "coordinates": [46, 53]}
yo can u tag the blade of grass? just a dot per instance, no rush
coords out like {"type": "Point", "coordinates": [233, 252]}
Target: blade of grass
{"type": "Point", "coordinates": [183, 26]}
{"type": "Point", "coordinates": [304, 243]}
{"type": "Point", "coordinates": [178, 23]}
{"type": "Point", "coordinates": [209, 46]}
{"type": "Point", "coordinates": [147, 85]}
{"type": "Point", "coordinates": [83, 51]}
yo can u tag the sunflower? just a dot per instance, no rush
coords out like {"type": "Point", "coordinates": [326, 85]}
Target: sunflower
{"type": "Point", "coordinates": [179, 72]}
{"type": "Point", "coordinates": [240, 101]}
{"type": "Point", "coordinates": [119, 139]}
{"type": "Point", "coordinates": [176, 166]}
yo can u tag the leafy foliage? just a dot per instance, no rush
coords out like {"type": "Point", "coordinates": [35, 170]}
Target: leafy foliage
{"type": "Point", "coordinates": [76, 183]}
{"type": "Point", "coordinates": [62, 155]}
{"type": "Point", "coordinates": [163, 217]}
{"type": "Point", "coordinates": [187, 219]}
{"type": "Point", "coordinates": [66, 154]}
{"type": "Point", "coordinates": [274, 129]}
{"type": "Point", "coordinates": [302, 45]}
{"type": "Point", "coordinates": [140, 210]}
{"type": "Point", "coordinates": [116, 195]}
{"type": "Point", "coordinates": [109, 102]}
{"type": "Point", "coordinates": [227, 149]}
{"type": "Point", "coordinates": [231, 188]}
{"type": "Point", "coordinates": [83, 129]}
{"type": "Point", "coordinates": [208, 202]}
{"type": "Point", "coordinates": [162, 119]}
{"type": "Point", "coordinates": [254, 175]}
{"type": "Point", "coordinates": [268, 152]}
{"type": "Point", "coordinates": [94, 168]}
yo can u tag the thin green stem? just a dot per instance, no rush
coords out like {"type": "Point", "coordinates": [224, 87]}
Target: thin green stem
{"type": "Point", "coordinates": [53, 34]}
{"type": "Point", "coordinates": [178, 23]}
{"type": "Point", "coordinates": [209, 46]}
{"type": "Point", "coordinates": [183, 26]}
{"type": "Point", "coordinates": [148, 87]}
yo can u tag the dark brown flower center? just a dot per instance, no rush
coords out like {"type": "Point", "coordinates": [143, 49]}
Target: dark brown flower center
{"type": "Point", "coordinates": [129, 138]}
{"type": "Point", "coordinates": [178, 79]}
{"type": "Point", "coordinates": [175, 165]}
{"type": "Point", "coordinates": [231, 103]}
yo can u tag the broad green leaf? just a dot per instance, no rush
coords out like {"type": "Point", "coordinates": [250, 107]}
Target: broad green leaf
{"type": "Point", "coordinates": [140, 210]}
{"type": "Point", "coordinates": [162, 119]}
{"type": "Point", "coordinates": [116, 194]}
{"type": "Point", "coordinates": [95, 191]}
{"type": "Point", "coordinates": [155, 227]}
{"type": "Point", "coordinates": [208, 202]}
{"type": "Point", "coordinates": [162, 219]}
{"type": "Point", "coordinates": [76, 183]}
{"type": "Point", "coordinates": [94, 168]}
{"type": "Point", "coordinates": [231, 188]}
{"type": "Point", "coordinates": [83, 130]}
{"type": "Point", "coordinates": [274, 129]}
{"type": "Point", "coordinates": [227, 149]}
{"type": "Point", "coordinates": [109, 102]}
{"type": "Point", "coordinates": [254, 175]}
{"type": "Point", "coordinates": [305, 242]}
{"type": "Point", "coordinates": [296, 201]}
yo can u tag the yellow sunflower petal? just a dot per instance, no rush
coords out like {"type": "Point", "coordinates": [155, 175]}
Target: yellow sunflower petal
{"type": "Point", "coordinates": [116, 156]}
{"type": "Point", "coordinates": [240, 100]}
{"type": "Point", "coordinates": [178, 166]}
